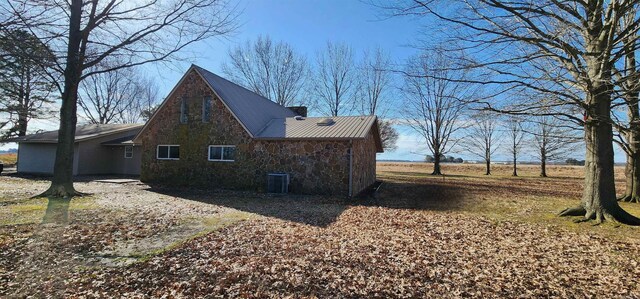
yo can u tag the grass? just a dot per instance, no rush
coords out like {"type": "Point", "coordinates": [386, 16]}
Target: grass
{"type": "Point", "coordinates": [500, 197]}
{"type": "Point", "coordinates": [9, 159]}
{"type": "Point", "coordinates": [32, 210]}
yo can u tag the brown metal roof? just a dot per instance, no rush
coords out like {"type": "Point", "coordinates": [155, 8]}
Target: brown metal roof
{"type": "Point", "coordinates": [251, 109]}
{"type": "Point", "coordinates": [83, 132]}
{"type": "Point", "coordinates": [344, 127]}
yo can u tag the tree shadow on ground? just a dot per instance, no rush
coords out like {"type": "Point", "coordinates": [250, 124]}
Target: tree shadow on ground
{"type": "Point", "coordinates": [57, 211]}
{"type": "Point", "coordinates": [322, 211]}
{"type": "Point", "coordinates": [318, 211]}
{"type": "Point", "coordinates": [524, 186]}
{"type": "Point", "coordinates": [415, 196]}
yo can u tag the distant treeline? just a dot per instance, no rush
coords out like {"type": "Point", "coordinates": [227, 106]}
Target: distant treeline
{"type": "Point", "coordinates": [443, 158]}
{"type": "Point", "coordinates": [572, 161]}
{"type": "Point", "coordinates": [9, 151]}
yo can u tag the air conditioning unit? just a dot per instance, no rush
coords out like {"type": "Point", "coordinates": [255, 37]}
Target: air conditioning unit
{"type": "Point", "coordinates": [278, 183]}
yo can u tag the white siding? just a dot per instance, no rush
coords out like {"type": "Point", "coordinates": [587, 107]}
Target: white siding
{"type": "Point", "coordinates": [36, 158]}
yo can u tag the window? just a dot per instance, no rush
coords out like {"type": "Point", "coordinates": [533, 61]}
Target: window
{"type": "Point", "coordinates": [225, 153]}
{"type": "Point", "coordinates": [184, 110]}
{"type": "Point", "coordinates": [128, 152]}
{"type": "Point", "coordinates": [206, 109]}
{"type": "Point", "coordinates": [168, 152]}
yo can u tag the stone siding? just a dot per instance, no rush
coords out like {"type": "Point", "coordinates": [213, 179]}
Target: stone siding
{"type": "Point", "coordinates": [194, 138]}
{"type": "Point", "coordinates": [364, 163]}
{"type": "Point", "coordinates": [315, 167]}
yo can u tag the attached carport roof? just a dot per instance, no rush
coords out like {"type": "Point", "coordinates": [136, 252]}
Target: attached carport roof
{"type": "Point", "coordinates": [123, 141]}
{"type": "Point", "coordinates": [84, 132]}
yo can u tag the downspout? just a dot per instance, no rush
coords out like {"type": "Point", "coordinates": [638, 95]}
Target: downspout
{"type": "Point", "coordinates": [350, 168]}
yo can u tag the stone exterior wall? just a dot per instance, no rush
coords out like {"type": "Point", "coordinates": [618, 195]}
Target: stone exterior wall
{"type": "Point", "coordinates": [194, 138]}
{"type": "Point", "coordinates": [364, 163]}
{"type": "Point", "coordinates": [315, 167]}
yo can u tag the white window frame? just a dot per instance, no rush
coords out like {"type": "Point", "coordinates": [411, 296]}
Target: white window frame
{"type": "Point", "coordinates": [126, 151]}
{"type": "Point", "coordinates": [168, 151]}
{"type": "Point", "coordinates": [219, 160]}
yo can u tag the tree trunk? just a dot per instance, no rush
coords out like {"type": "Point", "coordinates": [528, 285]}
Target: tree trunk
{"type": "Point", "coordinates": [632, 90]}
{"type": "Point", "coordinates": [62, 181]}
{"type": "Point", "coordinates": [488, 161]}
{"type": "Point", "coordinates": [436, 165]}
{"type": "Point", "coordinates": [599, 198]}
{"type": "Point", "coordinates": [632, 169]}
{"type": "Point", "coordinates": [515, 164]}
{"type": "Point", "coordinates": [543, 167]}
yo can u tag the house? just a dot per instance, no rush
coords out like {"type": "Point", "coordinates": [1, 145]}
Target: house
{"type": "Point", "coordinates": [98, 149]}
{"type": "Point", "coordinates": [211, 132]}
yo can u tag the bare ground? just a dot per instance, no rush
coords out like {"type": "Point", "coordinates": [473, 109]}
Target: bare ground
{"type": "Point", "coordinates": [461, 235]}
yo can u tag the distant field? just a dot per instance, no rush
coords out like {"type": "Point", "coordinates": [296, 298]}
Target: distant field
{"type": "Point", "coordinates": [497, 170]}
{"type": "Point", "coordinates": [9, 159]}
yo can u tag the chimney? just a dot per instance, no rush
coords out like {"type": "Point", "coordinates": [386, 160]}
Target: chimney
{"type": "Point", "coordinates": [299, 110]}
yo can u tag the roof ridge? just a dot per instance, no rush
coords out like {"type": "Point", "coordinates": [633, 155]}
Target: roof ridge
{"type": "Point", "coordinates": [236, 84]}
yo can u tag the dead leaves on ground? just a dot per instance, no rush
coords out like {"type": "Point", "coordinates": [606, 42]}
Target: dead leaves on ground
{"type": "Point", "coordinates": [379, 252]}
{"type": "Point", "coordinates": [304, 248]}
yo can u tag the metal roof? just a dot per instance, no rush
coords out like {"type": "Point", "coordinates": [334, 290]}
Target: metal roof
{"type": "Point", "coordinates": [343, 127]}
{"type": "Point", "coordinates": [83, 132]}
{"type": "Point", "coordinates": [264, 119]}
{"type": "Point", "coordinates": [252, 110]}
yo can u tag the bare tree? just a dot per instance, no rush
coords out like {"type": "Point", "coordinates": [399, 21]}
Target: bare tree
{"type": "Point", "coordinates": [374, 82]}
{"type": "Point", "coordinates": [335, 79]}
{"type": "Point", "coordinates": [272, 70]}
{"type": "Point", "coordinates": [435, 97]}
{"type": "Point", "coordinates": [119, 96]}
{"type": "Point", "coordinates": [482, 137]}
{"type": "Point", "coordinates": [85, 34]}
{"type": "Point", "coordinates": [552, 140]}
{"type": "Point", "coordinates": [109, 97]}
{"type": "Point", "coordinates": [388, 135]}
{"type": "Point", "coordinates": [147, 102]}
{"type": "Point", "coordinates": [515, 131]}
{"type": "Point", "coordinates": [628, 129]}
{"type": "Point", "coordinates": [25, 87]}
{"type": "Point", "coordinates": [564, 49]}
{"type": "Point", "coordinates": [373, 85]}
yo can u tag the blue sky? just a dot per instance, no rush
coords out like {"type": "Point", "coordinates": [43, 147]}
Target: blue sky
{"type": "Point", "coordinates": [307, 26]}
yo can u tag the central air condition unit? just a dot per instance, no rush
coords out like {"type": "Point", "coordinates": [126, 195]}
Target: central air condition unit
{"type": "Point", "coordinates": [277, 183]}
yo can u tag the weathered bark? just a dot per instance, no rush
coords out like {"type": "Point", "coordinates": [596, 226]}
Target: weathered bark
{"type": "Point", "coordinates": [515, 164]}
{"type": "Point", "coordinates": [24, 98]}
{"type": "Point", "coordinates": [62, 182]}
{"type": "Point", "coordinates": [632, 173]}
{"type": "Point", "coordinates": [488, 164]}
{"type": "Point", "coordinates": [631, 89]}
{"type": "Point", "coordinates": [599, 198]}
{"type": "Point", "coordinates": [436, 165]}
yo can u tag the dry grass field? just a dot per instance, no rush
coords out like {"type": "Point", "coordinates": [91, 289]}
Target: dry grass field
{"type": "Point", "coordinates": [9, 159]}
{"type": "Point", "coordinates": [459, 235]}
